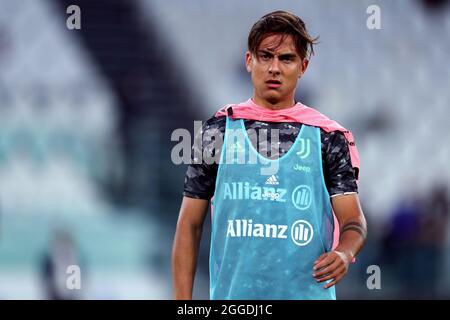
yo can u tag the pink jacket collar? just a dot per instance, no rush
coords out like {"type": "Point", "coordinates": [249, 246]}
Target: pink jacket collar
{"type": "Point", "coordinates": [297, 113]}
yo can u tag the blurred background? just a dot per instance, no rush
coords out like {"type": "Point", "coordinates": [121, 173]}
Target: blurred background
{"type": "Point", "coordinates": [86, 118]}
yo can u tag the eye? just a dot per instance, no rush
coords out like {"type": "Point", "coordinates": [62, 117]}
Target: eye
{"type": "Point", "coordinates": [264, 56]}
{"type": "Point", "coordinates": [286, 59]}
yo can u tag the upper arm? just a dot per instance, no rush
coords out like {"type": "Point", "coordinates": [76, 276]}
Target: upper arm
{"type": "Point", "coordinates": [201, 176]}
{"type": "Point", "coordinates": [193, 211]}
{"type": "Point", "coordinates": [339, 173]}
{"type": "Point", "coordinates": [348, 208]}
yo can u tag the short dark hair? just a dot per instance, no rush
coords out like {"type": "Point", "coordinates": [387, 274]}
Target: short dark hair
{"type": "Point", "coordinates": [285, 23]}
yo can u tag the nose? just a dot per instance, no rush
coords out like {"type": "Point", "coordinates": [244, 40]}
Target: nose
{"type": "Point", "coordinates": [274, 67]}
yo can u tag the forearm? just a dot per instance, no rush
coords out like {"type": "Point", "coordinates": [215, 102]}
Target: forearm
{"type": "Point", "coordinates": [184, 259]}
{"type": "Point", "coordinates": [353, 235]}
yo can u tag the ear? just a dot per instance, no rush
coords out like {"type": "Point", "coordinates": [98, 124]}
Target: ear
{"type": "Point", "coordinates": [303, 67]}
{"type": "Point", "coordinates": [248, 61]}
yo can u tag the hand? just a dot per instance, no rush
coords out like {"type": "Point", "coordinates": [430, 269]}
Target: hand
{"type": "Point", "coordinates": [331, 265]}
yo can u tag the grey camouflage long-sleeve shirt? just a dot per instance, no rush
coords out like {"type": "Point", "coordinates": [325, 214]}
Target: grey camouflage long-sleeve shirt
{"type": "Point", "coordinates": [200, 179]}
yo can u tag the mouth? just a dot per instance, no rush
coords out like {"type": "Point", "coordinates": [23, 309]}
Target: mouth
{"type": "Point", "coordinates": [273, 84]}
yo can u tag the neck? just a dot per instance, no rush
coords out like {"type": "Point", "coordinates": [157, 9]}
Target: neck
{"type": "Point", "coordinates": [278, 105]}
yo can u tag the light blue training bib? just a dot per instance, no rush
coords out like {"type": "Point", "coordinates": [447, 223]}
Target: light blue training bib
{"type": "Point", "coordinates": [268, 229]}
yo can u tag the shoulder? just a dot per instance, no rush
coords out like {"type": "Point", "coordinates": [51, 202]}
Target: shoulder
{"type": "Point", "coordinates": [334, 144]}
{"type": "Point", "coordinates": [213, 127]}
{"type": "Point", "coordinates": [333, 137]}
{"type": "Point", "coordinates": [214, 122]}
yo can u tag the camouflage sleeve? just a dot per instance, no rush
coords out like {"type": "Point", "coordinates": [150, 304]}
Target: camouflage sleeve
{"type": "Point", "coordinates": [200, 179]}
{"type": "Point", "coordinates": [338, 170]}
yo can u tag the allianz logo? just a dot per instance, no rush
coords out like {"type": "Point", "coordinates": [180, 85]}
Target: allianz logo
{"type": "Point", "coordinates": [301, 231]}
{"type": "Point", "coordinates": [243, 191]}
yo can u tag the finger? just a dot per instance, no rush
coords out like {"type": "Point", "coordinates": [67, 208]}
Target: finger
{"type": "Point", "coordinates": [329, 259]}
{"type": "Point", "coordinates": [332, 275]}
{"type": "Point", "coordinates": [334, 282]}
{"type": "Point", "coordinates": [327, 269]}
{"type": "Point", "coordinates": [323, 256]}
{"type": "Point", "coordinates": [328, 277]}
{"type": "Point", "coordinates": [324, 268]}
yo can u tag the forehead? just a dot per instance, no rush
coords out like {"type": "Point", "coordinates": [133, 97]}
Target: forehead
{"type": "Point", "coordinates": [278, 43]}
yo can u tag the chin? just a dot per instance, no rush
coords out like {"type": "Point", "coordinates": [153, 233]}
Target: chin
{"type": "Point", "coordinates": [273, 99]}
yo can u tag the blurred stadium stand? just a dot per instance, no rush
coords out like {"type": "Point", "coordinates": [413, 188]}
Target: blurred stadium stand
{"type": "Point", "coordinates": [86, 117]}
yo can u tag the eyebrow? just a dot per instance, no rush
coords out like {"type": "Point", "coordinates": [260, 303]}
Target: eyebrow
{"type": "Point", "coordinates": [282, 56]}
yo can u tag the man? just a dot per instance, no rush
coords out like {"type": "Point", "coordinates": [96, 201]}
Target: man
{"type": "Point", "coordinates": [272, 235]}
